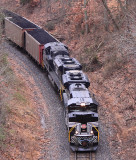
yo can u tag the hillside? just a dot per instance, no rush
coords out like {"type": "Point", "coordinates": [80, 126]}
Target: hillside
{"type": "Point", "coordinates": [107, 53]}
{"type": "Point", "coordinates": [21, 134]}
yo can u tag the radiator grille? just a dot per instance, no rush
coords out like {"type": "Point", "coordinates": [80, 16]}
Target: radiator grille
{"type": "Point", "coordinates": [79, 139]}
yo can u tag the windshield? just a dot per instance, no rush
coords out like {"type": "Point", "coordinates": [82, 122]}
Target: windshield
{"type": "Point", "coordinates": [83, 118]}
{"type": "Point", "coordinates": [78, 108]}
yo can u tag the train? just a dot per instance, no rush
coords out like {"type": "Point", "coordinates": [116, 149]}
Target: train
{"type": "Point", "coordinates": [66, 76]}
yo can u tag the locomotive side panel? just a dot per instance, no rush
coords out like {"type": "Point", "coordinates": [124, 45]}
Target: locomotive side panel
{"type": "Point", "coordinates": [14, 32]}
{"type": "Point", "coordinates": [32, 47]}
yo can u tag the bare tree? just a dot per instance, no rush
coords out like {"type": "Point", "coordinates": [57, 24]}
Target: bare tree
{"type": "Point", "coordinates": [86, 18]}
{"type": "Point", "coordinates": [126, 4]}
{"type": "Point", "coordinates": [121, 6]}
{"type": "Point", "coordinates": [106, 20]}
{"type": "Point", "coordinates": [110, 14]}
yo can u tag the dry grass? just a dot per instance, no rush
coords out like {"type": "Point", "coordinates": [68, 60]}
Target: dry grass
{"type": "Point", "coordinates": [20, 98]}
{"type": "Point", "coordinates": [10, 90]}
{"type": "Point", "coordinates": [113, 63]}
{"type": "Point", "coordinates": [4, 68]}
{"type": "Point", "coordinates": [19, 121]}
{"type": "Point", "coordinates": [90, 60]}
{"type": "Point", "coordinates": [24, 1]}
{"type": "Point", "coordinates": [4, 73]}
{"type": "Point", "coordinates": [50, 26]}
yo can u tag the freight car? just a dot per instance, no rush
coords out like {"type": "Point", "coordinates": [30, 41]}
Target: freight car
{"type": "Point", "coordinates": [66, 75]}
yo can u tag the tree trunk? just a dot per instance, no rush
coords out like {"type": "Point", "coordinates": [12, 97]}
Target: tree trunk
{"type": "Point", "coordinates": [121, 6]}
{"type": "Point", "coordinates": [106, 22]}
{"type": "Point", "coordinates": [85, 12]}
{"type": "Point", "coordinates": [110, 14]}
{"type": "Point", "coordinates": [126, 4]}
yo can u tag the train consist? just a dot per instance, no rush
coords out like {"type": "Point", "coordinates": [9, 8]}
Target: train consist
{"type": "Point", "coordinates": [65, 74]}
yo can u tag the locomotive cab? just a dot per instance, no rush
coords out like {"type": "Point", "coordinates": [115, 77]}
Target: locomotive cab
{"type": "Point", "coordinates": [52, 50]}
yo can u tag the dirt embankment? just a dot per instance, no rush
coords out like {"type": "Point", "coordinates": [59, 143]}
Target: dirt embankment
{"type": "Point", "coordinates": [21, 134]}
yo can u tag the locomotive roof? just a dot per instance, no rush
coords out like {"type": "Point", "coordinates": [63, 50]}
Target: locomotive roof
{"type": "Point", "coordinates": [42, 36]}
{"type": "Point", "coordinates": [78, 101]}
{"type": "Point", "coordinates": [20, 21]}
{"type": "Point", "coordinates": [80, 94]}
{"type": "Point", "coordinates": [56, 46]}
{"type": "Point", "coordinates": [79, 91]}
{"type": "Point", "coordinates": [67, 62]}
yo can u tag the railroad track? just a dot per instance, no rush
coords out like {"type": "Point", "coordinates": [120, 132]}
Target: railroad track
{"type": "Point", "coordinates": [84, 155]}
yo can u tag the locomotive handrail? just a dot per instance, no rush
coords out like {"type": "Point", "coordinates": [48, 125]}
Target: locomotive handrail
{"type": "Point", "coordinates": [71, 131]}
{"type": "Point", "coordinates": [61, 90]}
{"type": "Point", "coordinates": [97, 131]}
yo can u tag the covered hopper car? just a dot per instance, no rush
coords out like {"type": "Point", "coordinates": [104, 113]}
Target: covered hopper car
{"type": "Point", "coordinates": [66, 75]}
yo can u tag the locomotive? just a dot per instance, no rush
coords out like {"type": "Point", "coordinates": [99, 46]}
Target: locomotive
{"type": "Point", "coordinates": [65, 74]}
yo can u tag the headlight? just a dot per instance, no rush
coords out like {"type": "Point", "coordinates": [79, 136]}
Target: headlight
{"type": "Point", "coordinates": [82, 104]}
{"type": "Point", "coordinates": [83, 126]}
{"type": "Point", "coordinates": [91, 132]}
{"type": "Point", "coordinates": [76, 132]}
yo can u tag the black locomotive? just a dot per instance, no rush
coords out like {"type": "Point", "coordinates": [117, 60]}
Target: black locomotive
{"type": "Point", "coordinates": [80, 107]}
